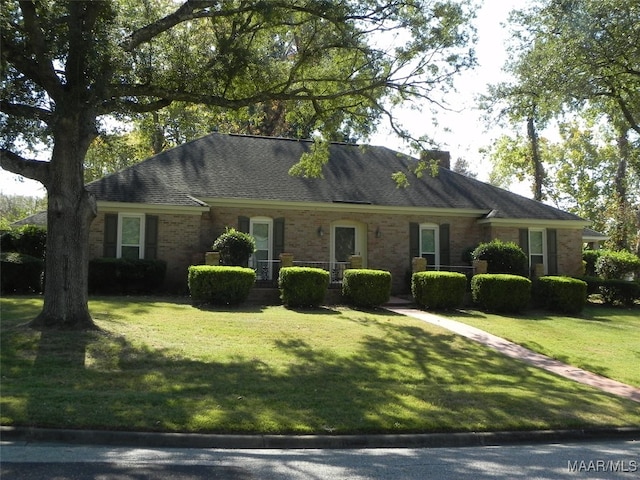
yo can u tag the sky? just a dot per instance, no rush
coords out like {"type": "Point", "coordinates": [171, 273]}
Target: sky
{"type": "Point", "coordinates": [461, 132]}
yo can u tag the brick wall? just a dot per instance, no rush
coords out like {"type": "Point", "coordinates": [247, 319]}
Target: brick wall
{"type": "Point", "coordinates": [183, 239]}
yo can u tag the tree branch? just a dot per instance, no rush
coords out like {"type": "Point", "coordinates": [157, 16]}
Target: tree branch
{"type": "Point", "coordinates": [34, 169]}
{"type": "Point", "coordinates": [25, 111]}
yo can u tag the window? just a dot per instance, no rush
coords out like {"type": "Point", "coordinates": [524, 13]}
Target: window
{"type": "Point", "coordinates": [537, 249]}
{"type": "Point", "coordinates": [429, 245]}
{"type": "Point", "coordinates": [261, 229]}
{"type": "Point", "coordinates": [130, 236]}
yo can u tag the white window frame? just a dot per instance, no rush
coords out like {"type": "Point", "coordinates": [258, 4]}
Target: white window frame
{"type": "Point", "coordinates": [359, 240]}
{"type": "Point", "coordinates": [269, 222]}
{"type": "Point", "coordinates": [543, 233]}
{"type": "Point", "coordinates": [121, 217]}
{"type": "Point", "coordinates": [436, 234]}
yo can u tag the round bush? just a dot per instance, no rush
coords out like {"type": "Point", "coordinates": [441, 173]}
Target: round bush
{"type": "Point", "coordinates": [617, 265]}
{"type": "Point", "coordinates": [438, 290]}
{"type": "Point", "coordinates": [235, 247]}
{"type": "Point", "coordinates": [366, 288]}
{"type": "Point", "coordinates": [561, 294]}
{"type": "Point", "coordinates": [303, 286]}
{"type": "Point", "coordinates": [502, 257]}
{"type": "Point", "coordinates": [220, 285]}
{"type": "Point", "coordinates": [501, 292]}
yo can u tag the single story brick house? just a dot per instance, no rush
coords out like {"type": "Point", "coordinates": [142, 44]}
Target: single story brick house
{"type": "Point", "coordinates": [173, 205]}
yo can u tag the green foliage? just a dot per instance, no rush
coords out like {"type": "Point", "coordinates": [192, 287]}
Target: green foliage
{"type": "Point", "coordinates": [303, 286]}
{"type": "Point", "coordinates": [20, 273]}
{"type": "Point", "coordinates": [29, 240]}
{"type": "Point", "coordinates": [235, 247]}
{"type": "Point", "coordinates": [220, 285]}
{"type": "Point", "coordinates": [590, 257]}
{"type": "Point", "coordinates": [616, 265]}
{"type": "Point", "coordinates": [126, 276]}
{"type": "Point", "coordinates": [18, 207]}
{"type": "Point", "coordinates": [560, 294]}
{"type": "Point", "coordinates": [438, 290]}
{"type": "Point", "coordinates": [502, 257]}
{"type": "Point", "coordinates": [620, 292]}
{"type": "Point", "coordinates": [501, 292]}
{"type": "Point", "coordinates": [366, 288]}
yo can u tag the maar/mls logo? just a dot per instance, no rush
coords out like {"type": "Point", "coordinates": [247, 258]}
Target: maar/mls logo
{"type": "Point", "coordinates": [619, 466]}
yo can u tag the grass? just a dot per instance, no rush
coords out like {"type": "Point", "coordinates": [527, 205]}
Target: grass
{"type": "Point", "coordinates": [163, 365]}
{"type": "Point", "coordinates": [602, 339]}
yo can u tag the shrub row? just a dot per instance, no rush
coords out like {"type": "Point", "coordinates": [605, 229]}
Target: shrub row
{"type": "Point", "coordinates": [299, 286]}
{"type": "Point", "coordinates": [20, 273]}
{"type": "Point", "coordinates": [613, 291]}
{"type": "Point", "coordinates": [561, 294]}
{"type": "Point", "coordinates": [502, 293]}
{"type": "Point", "coordinates": [28, 240]}
{"type": "Point", "coordinates": [125, 276]}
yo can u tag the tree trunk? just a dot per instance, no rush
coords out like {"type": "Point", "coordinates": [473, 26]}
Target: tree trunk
{"type": "Point", "coordinates": [538, 169]}
{"type": "Point", "coordinates": [620, 238]}
{"type": "Point", "coordinates": [70, 212]}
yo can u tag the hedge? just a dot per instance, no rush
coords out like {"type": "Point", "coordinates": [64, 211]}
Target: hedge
{"type": "Point", "coordinates": [303, 286]}
{"type": "Point", "coordinates": [220, 285]}
{"type": "Point", "coordinates": [126, 276]}
{"type": "Point", "coordinates": [366, 288]}
{"type": "Point", "coordinates": [561, 294]}
{"type": "Point", "coordinates": [616, 265]}
{"type": "Point", "coordinates": [20, 273]}
{"type": "Point", "coordinates": [438, 290]}
{"type": "Point", "coordinates": [501, 292]}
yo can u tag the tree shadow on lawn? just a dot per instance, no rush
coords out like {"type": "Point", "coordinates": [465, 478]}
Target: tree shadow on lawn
{"type": "Point", "coordinates": [403, 379]}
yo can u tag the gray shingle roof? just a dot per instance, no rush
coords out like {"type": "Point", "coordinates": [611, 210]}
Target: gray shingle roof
{"type": "Point", "coordinates": [249, 167]}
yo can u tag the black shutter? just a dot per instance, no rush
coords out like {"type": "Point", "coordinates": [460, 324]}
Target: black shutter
{"type": "Point", "coordinates": [278, 237]}
{"type": "Point", "coordinates": [524, 240]}
{"type": "Point", "coordinates": [552, 251]}
{"type": "Point", "coordinates": [445, 249]}
{"type": "Point", "coordinates": [414, 241]}
{"type": "Point", "coordinates": [110, 246]}
{"type": "Point", "coordinates": [243, 224]}
{"type": "Point", "coordinates": [151, 237]}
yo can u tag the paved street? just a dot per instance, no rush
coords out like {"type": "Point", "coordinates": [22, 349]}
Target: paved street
{"type": "Point", "coordinates": [586, 460]}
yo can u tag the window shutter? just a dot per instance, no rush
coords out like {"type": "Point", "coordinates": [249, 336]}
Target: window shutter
{"type": "Point", "coordinates": [151, 237]}
{"type": "Point", "coordinates": [110, 246]}
{"type": "Point", "coordinates": [445, 249]}
{"type": "Point", "coordinates": [278, 237]}
{"type": "Point", "coordinates": [243, 224]}
{"type": "Point", "coordinates": [552, 251]}
{"type": "Point", "coordinates": [524, 240]}
{"type": "Point", "coordinates": [414, 241]}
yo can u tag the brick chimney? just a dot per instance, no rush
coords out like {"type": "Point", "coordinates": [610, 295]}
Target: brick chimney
{"type": "Point", "coordinates": [441, 157]}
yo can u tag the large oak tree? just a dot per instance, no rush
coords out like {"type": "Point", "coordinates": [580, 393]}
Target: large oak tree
{"type": "Point", "coordinates": [68, 64]}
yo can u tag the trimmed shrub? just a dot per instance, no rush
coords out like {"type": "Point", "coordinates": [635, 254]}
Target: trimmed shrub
{"type": "Point", "coordinates": [561, 294]}
{"type": "Point", "coordinates": [620, 292]}
{"type": "Point", "coordinates": [28, 240]}
{"type": "Point", "coordinates": [366, 288]}
{"type": "Point", "coordinates": [20, 273]}
{"type": "Point", "coordinates": [501, 292]}
{"type": "Point", "coordinates": [617, 265]}
{"type": "Point", "coordinates": [126, 276]}
{"type": "Point", "coordinates": [220, 285]}
{"type": "Point", "coordinates": [235, 247]}
{"type": "Point", "coordinates": [303, 286]}
{"type": "Point", "coordinates": [502, 257]}
{"type": "Point", "coordinates": [590, 257]}
{"type": "Point", "coordinates": [438, 290]}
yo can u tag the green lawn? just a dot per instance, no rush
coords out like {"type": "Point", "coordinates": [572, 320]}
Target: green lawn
{"type": "Point", "coordinates": [163, 365]}
{"type": "Point", "coordinates": [604, 340]}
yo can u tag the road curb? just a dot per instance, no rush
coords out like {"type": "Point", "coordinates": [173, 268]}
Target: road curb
{"type": "Point", "coordinates": [422, 440]}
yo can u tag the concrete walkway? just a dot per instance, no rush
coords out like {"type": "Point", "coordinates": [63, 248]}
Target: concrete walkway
{"type": "Point", "coordinates": [516, 351]}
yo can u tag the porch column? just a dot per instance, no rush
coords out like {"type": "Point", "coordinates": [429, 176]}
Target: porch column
{"type": "Point", "coordinates": [355, 261]}
{"type": "Point", "coordinates": [418, 264]}
{"type": "Point", "coordinates": [286, 260]}
{"type": "Point", "coordinates": [212, 258]}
